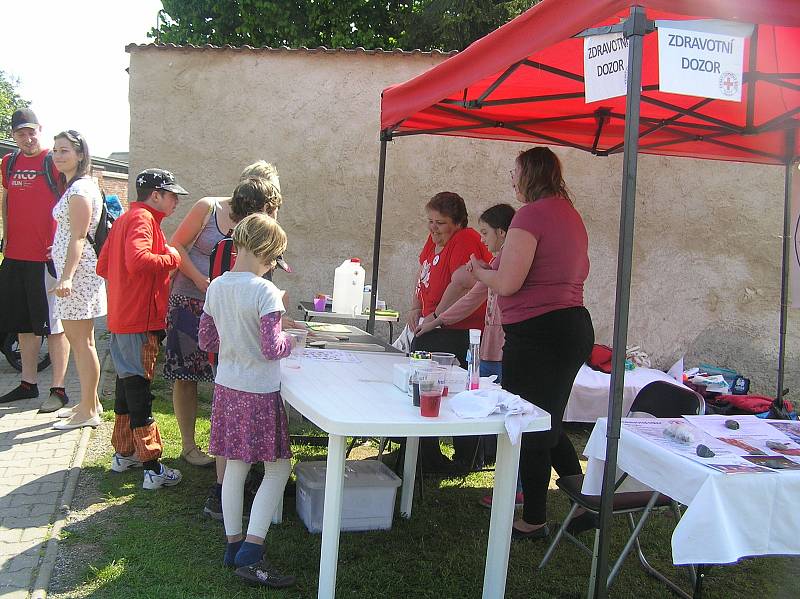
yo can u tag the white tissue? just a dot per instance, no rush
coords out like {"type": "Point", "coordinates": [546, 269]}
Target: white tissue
{"type": "Point", "coordinates": [479, 403]}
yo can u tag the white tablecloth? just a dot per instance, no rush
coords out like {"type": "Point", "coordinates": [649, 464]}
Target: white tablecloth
{"type": "Point", "coordinates": [588, 400]}
{"type": "Point", "coordinates": [729, 516]}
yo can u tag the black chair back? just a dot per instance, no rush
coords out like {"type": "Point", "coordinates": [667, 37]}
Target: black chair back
{"type": "Point", "coordinates": [665, 400]}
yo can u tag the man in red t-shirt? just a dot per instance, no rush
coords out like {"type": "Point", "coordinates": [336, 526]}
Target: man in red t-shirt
{"type": "Point", "coordinates": [28, 228]}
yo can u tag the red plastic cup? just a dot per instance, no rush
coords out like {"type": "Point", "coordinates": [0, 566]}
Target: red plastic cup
{"type": "Point", "coordinates": [429, 403]}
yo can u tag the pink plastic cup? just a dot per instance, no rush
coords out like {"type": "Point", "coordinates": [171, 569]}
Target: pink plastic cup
{"type": "Point", "coordinates": [431, 385]}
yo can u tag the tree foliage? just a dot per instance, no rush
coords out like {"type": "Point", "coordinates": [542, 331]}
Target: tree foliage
{"type": "Point", "coordinates": [10, 101]}
{"type": "Point", "coordinates": [423, 24]}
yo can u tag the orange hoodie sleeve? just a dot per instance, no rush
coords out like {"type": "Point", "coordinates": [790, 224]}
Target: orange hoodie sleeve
{"type": "Point", "coordinates": [139, 256]}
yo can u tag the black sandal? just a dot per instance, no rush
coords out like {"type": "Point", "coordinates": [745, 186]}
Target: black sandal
{"type": "Point", "coordinates": [538, 533]}
{"type": "Point", "coordinates": [264, 573]}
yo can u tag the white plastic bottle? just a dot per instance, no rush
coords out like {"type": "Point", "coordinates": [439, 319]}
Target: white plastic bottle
{"type": "Point", "coordinates": [474, 360]}
{"type": "Point", "coordinates": [348, 286]}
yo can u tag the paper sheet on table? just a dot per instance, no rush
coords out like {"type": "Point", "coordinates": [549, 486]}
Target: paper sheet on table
{"type": "Point", "coordinates": [724, 459]}
{"type": "Point", "coordinates": [790, 428]}
{"type": "Point", "coordinates": [750, 438]}
{"type": "Point", "coordinates": [676, 371]}
{"type": "Point", "coordinates": [331, 355]}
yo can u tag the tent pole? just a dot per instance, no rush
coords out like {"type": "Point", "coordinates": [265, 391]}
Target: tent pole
{"type": "Point", "coordinates": [778, 409]}
{"type": "Point", "coordinates": [376, 244]}
{"type": "Point", "coordinates": [635, 28]}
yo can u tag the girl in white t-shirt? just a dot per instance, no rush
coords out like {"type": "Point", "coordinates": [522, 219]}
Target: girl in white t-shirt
{"type": "Point", "coordinates": [241, 321]}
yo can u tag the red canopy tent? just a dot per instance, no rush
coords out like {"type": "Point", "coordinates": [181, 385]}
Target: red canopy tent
{"type": "Point", "coordinates": [525, 82]}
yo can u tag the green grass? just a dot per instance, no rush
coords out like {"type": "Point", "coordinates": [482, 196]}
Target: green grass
{"type": "Point", "coordinates": [157, 544]}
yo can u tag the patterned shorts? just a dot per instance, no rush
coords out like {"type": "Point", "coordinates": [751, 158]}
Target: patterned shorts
{"type": "Point", "coordinates": [183, 360]}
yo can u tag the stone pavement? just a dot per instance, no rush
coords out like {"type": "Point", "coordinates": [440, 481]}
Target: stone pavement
{"type": "Point", "coordinates": [39, 469]}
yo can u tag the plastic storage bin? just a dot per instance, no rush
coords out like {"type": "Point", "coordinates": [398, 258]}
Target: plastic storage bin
{"type": "Point", "coordinates": [368, 501]}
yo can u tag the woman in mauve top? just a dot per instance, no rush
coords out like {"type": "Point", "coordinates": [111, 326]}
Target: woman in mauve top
{"type": "Point", "coordinates": [549, 333]}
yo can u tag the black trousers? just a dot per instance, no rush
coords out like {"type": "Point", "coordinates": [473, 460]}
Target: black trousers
{"type": "Point", "coordinates": [541, 358]}
{"type": "Point", "coordinates": [454, 341]}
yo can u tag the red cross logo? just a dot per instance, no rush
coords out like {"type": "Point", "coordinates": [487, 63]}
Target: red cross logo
{"type": "Point", "coordinates": [729, 84]}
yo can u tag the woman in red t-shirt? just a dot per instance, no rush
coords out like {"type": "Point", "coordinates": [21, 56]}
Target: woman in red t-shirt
{"type": "Point", "coordinates": [450, 244]}
{"type": "Point", "coordinates": [548, 332]}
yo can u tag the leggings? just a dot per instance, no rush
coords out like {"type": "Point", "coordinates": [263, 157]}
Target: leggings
{"type": "Point", "coordinates": [541, 357]}
{"type": "Point", "coordinates": [265, 503]}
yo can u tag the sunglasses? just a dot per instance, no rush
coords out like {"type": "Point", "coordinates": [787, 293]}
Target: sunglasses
{"type": "Point", "coordinates": [74, 136]}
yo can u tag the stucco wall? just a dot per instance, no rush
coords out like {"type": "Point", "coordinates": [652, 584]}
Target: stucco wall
{"type": "Point", "coordinates": [707, 256]}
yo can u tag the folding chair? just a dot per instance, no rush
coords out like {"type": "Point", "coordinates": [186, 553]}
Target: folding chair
{"type": "Point", "coordinates": [661, 400]}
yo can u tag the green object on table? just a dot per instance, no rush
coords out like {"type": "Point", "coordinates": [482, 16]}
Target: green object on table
{"type": "Point", "coordinates": [393, 313]}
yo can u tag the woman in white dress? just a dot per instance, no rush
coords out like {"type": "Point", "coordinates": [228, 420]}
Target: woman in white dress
{"type": "Point", "coordinates": [80, 292]}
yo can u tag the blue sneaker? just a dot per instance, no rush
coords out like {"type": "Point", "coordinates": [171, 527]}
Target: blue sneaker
{"type": "Point", "coordinates": [169, 477]}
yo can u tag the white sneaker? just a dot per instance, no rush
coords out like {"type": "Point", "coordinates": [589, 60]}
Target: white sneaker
{"type": "Point", "coordinates": [120, 463]}
{"type": "Point", "coordinates": [169, 477]}
{"type": "Point", "coordinates": [68, 412]}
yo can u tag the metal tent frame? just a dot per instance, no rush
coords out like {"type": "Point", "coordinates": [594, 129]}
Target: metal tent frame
{"type": "Point", "coordinates": [683, 125]}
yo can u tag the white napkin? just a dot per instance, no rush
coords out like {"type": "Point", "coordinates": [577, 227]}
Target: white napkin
{"type": "Point", "coordinates": [479, 403]}
{"type": "Point", "coordinates": [404, 340]}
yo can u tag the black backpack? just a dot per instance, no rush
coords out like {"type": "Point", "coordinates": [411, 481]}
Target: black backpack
{"type": "Point", "coordinates": [48, 171]}
{"type": "Point", "coordinates": [222, 259]}
{"type": "Point", "coordinates": [103, 228]}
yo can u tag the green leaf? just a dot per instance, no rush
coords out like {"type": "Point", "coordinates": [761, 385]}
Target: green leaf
{"type": "Point", "coordinates": [10, 101]}
{"type": "Point", "coordinates": [423, 24]}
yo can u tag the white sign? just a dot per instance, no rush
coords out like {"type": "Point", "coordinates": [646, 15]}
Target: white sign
{"type": "Point", "coordinates": [605, 66]}
{"type": "Point", "coordinates": [700, 63]}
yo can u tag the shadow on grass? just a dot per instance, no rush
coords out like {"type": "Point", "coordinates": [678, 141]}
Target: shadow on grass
{"type": "Point", "coordinates": [145, 544]}
{"type": "Point", "coordinates": [157, 544]}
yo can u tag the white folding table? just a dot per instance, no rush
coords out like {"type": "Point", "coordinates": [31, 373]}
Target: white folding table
{"type": "Point", "coordinates": [359, 399]}
{"type": "Point", "coordinates": [309, 313]}
{"type": "Point", "coordinates": [728, 516]}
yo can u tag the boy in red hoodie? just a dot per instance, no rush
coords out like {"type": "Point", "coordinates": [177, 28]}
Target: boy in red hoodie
{"type": "Point", "coordinates": [136, 262]}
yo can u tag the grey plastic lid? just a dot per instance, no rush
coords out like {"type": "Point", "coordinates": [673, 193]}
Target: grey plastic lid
{"type": "Point", "coordinates": [357, 473]}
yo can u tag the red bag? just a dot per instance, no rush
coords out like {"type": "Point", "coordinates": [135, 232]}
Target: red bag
{"type": "Point", "coordinates": [752, 404]}
{"type": "Point", "coordinates": [600, 358]}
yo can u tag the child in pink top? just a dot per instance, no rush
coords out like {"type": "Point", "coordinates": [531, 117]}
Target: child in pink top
{"type": "Point", "coordinates": [241, 321]}
{"type": "Point", "coordinates": [493, 226]}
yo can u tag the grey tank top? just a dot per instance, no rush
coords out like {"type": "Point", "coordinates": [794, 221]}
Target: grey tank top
{"type": "Point", "coordinates": [200, 255]}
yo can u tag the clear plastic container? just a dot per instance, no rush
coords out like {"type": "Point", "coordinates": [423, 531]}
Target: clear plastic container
{"type": "Point", "coordinates": [369, 494]}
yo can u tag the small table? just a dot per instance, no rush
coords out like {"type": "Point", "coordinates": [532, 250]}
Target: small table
{"type": "Point", "coordinates": [309, 312]}
{"type": "Point", "coordinates": [588, 399]}
{"type": "Point", "coordinates": [729, 516]}
{"type": "Point", "coordinates": [355, 335]}
{"type": "Point", "coordinates": [346, 399]}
